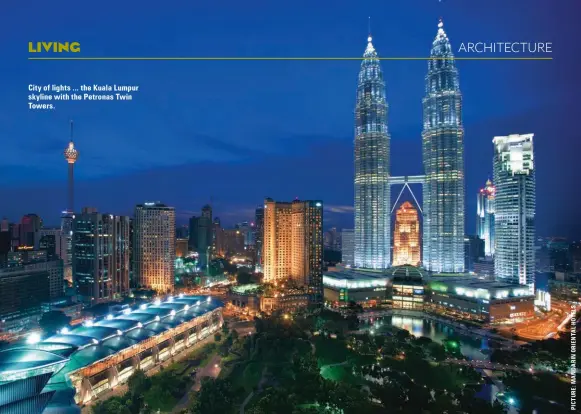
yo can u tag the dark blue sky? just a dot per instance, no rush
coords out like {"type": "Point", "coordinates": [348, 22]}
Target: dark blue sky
{"type": "Point", "coordinates": [239, 131]}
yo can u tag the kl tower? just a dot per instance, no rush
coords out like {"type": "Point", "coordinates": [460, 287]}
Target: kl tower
{"type": "Point", "coordinates": [71, 155]}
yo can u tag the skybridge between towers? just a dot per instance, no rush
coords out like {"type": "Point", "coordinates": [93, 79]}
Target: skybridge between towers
{"type": "Point", "coordinates": [405, 181]}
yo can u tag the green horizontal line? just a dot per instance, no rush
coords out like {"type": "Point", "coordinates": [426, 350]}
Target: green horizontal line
{"type": "Point", "coordinates": [286, 58]}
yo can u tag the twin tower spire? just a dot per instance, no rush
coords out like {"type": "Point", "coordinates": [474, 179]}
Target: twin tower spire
{"type": "Point", "coordinates": [443, 179]}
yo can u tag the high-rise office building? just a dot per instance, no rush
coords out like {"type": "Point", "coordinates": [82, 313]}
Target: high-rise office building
{"type": "Point", "coordinates": [406, 236]}
{"type": "Point", "coordinates": [372, 191]}
{"type": "Point", "coordinates": [514, 224]}
{"type": "Point", "coordinates": [258, 236]}
{"type": "Point", "coordinates": [485, 208]}
{"type": "Point", "coordinates": [443, 154]}
{"type": "Point", "coordinates": [27, 280]}
{"type": "Point", "coordinates": [218, 246]}
{"type": "Point", "coordinates": [247, 230]}
{"type": "Point", "coordinates": [348, 247]}
{"type": "Point", "coordinates": [54, 242]}
{"type": "Point", "coordinates": [332, 240]}
{"type": "Point", "coordinates": [30, 226]}
{"type": "Point", "coordinates": [100, 255]}
{"type": "Point", "coordinates": [293, 244]}
{"type": "Point", "coordinates": [181, 247]}
{"type": "Point", "coordinates": [5, 238]}
{"type": "Point", "coordinates": [233, 240]}
{"type": "Point", "coordinates": [473, 251]}
{"type": "Point", "coordinates": [154, 246]}
{"type": "Point", "coordinates": [201, 237]}
{"type": "Point", "coordinates": [4, 225]}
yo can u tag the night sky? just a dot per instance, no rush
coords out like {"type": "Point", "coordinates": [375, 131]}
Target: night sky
{"type": "Point", "coordinates": [235, 132]}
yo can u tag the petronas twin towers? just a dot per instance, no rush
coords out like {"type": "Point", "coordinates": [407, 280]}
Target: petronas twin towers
{"type": "Point", "coordinates": [443, 156]}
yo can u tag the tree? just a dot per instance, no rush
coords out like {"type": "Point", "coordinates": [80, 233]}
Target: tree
{"type": "Point", "coordinates": [113, 405]}
{"type": "Point", "coordinates": [243, 277]}
{"type": "Point", "coordinates": [234, 334]}
{"type": "Point", "coordinates": [275, 400]}
{"type": "Point", "coordinates": [52, 321]}
{"type": "Point", "coordinates": [402, 334]}
{"type": "Point", "coordinates": [215, 397]}
{"type": "Point", "coordinates": [138, 383]}
{"type": "Point", "coordinates": [217, 337]}
{"type": "Point", "coordinates": [158, 397]}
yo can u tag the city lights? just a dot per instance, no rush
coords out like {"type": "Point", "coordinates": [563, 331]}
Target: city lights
{"type": "Point", "coordinates": [33, 338]}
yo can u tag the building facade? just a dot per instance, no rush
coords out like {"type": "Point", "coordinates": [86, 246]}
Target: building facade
{"type": "Point", "coordinates": [514, 176]}
{"type": "Point", "coordinates": [201, 237]}
{"type": "Point", "coordinates": [293, 244]}
{"type": "Point", "coordinates": [30, 226]}
{"type": "Point", "coordinates": [181, 247]}
{"type": "Point", "coordinates": [443, 154]}
{"type": "Point", "coordinates": [23, 289]}
{"type": "Point", "coordinates": [258, 236]}
{"type": "Point", "coordinates": [473, 251]}
{"type": "Point", "coordinates": [406, 236]}
{"type": "Point", "coordinates": [476, 299]}
{"type": "Point", "coordinates": [348, 247]}
{"type": "Point", "coordinates": [54, 242]}
{"type": "Point", "coordinates": [372, 164]}
{"type": "Point", "coordinates": [154, 246]}
{"type": "Point", "coordinates": [485, 208]}
{"type": "Point", "coordinates": [100, 255]}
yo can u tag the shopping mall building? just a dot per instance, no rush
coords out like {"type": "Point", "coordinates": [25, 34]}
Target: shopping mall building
{"type": "Point", "coordinates": [483, 300]}
{"type": "Point", "coordinates": [99, 355]}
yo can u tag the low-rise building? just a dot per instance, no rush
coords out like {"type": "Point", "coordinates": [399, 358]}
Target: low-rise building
{"type": "Point", "coordinates": [487, 301]}
{"type": "Point", "coordinates": [407, 288]}
{"type": "Point", "coordinates": [366, 287]}
{"type": "Point", "coordinates": [289, 301]}
{"type": "Point", "coordinates": [246, 297]}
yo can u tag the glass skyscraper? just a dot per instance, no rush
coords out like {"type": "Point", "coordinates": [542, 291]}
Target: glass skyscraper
{"type": "Point", "coordinates": [443, 153]}
{"type": "Point", "coordinates": [372, 192]}
{"type": "Point", "coordinates": [514, 177]}
{"type": "Point", "coordinates": [485, 207]}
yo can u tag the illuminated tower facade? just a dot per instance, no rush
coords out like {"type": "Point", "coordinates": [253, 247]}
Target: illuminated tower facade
{"type": "Point", "coordinates": [154, 246]}
{"type": "Point", "coordinates": [443, 154]}
{"type": "Point", "coordinates": [514, 225]}
{"type": "Point", "coordinates": [485, 205]}
{"type": "Point", "coordinates": [293, 244]}
{"type": "Point", "coordinates": [406, 236]}
{"type": "Point", "coordinates": [372, 190]}
{"type": "Point", "coordinates": [100, 255]}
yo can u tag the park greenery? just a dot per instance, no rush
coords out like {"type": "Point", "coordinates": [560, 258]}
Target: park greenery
{"type": "Point", "coordinates": [550, 353]}
{"type": "Point", "coordinates": [310, 363]}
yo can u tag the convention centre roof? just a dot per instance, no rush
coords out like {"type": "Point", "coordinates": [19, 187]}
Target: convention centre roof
{"type": "Point", "coordinates": [80, 346]}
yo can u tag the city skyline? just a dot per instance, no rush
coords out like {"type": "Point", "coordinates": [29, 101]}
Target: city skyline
{"type": "Point", "coordinates": [501, 83]}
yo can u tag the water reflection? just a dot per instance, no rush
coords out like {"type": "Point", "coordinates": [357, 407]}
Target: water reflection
{"type": "Point", "coordinates": [473, 347]}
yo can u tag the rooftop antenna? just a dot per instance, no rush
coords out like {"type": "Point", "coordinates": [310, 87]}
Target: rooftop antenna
{"type": "Point", "coordinates": [369, 26]}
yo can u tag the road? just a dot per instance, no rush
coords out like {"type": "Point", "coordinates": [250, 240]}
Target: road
{"type": "Point", "coordinates": [211, 369]}
{"type": "Point", "coordinates": [548, 326]}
